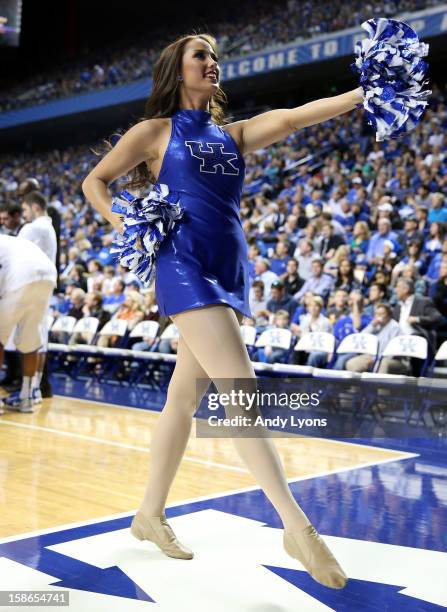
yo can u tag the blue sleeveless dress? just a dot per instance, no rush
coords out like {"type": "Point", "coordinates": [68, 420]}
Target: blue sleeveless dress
{"type": "Point", "coordinates": [204, 258]}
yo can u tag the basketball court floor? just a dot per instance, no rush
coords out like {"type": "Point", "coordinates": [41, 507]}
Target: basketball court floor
{"type": "Point", "coordinates": [73, 473]}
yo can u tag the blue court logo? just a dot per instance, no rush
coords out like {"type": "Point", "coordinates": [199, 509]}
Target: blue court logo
{"type": "Point", "coordinates": [213, 158]}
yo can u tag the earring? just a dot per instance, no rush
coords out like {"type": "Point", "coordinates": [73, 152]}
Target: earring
{"type": "Point", "coordinates": [179, 77]}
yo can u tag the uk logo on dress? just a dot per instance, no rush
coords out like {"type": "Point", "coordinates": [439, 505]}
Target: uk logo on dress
{"type": "Point", "coordinates": [213, 158]}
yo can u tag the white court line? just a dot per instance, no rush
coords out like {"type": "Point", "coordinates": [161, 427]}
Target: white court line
{"type": "Point", "coordinates": [201, 498]}
{"type": "Point", "coordinates": [142, 449]}
{"type": "Point", "coordinates": [103, 403]}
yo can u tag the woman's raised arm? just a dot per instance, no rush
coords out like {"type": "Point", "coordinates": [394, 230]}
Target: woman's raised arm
{"type": "Point", "coordinates": [270, 127]}
{"type": "Point", "coordinates": [134, 147]}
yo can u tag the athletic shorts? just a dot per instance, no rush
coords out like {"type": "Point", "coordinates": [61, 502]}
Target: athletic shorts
{"type": "Point", "coordinates": [25, 311]}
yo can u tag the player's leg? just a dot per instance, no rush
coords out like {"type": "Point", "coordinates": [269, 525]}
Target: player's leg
{"type": "Point", "coordinates": [29, 336]}
{"type": "Point", "coordinates": [26, 391]}
{"type": "Point", "coordinates": [41, 363]}
{"type": "Point", "coordinates": [10, 313]}
{"type": "Point", "coordinates": [213, 336]}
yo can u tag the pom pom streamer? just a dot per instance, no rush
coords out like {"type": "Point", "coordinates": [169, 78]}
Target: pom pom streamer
{"type": "Point", "coordinates": [392, 74]}
{"type": "Point", "coordinates": [147, 221]}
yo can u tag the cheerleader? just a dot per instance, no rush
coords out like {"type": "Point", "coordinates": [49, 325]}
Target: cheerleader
{"type": "Point", "coordinates": [195, 160]}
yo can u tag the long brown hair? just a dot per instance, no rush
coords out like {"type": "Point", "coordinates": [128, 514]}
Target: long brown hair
{"type": "Point", "coordinates": [164, 99]}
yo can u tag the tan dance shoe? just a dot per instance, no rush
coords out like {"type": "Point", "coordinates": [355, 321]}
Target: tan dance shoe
{"type": "Point", "coordinates": [156, 529]}
{"type": "Point", "coordinates": [308, 547]}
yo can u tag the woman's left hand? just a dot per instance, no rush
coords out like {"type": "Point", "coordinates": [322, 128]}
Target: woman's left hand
{"type": "Point", "coordinates": [360, 94]}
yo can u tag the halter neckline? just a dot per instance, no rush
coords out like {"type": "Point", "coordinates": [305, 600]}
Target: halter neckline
{"type": "Point", "coordinates": [194, 114]}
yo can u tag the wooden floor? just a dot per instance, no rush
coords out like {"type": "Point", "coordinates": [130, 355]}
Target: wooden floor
{"type": "Point", "coordinates": [74, 460]}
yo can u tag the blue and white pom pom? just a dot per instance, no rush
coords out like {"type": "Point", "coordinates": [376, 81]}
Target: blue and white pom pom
{"type": "Point", "coordinates": [392, 76]}
{"type": "Point", "coordinates": [147, 221]}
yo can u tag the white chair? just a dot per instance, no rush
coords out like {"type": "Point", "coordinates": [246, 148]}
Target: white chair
{"type": "Point", "coordinates": [407, 346]}
{"type": "Point", "coordinates": [170, 332]}
{"type": "Point", "coordinates": [398, 390]}
{"type": "Point", "coordinates": [50, 321]}
{"type": "Point", "coordinates": [114, 355]}
{"type": "Point", "coordinates": [86, 325]}
{"type": "Point", "coordinates": [323, 342]}
{"type": "Point", "coordinates": [441, 354]}
{"type": "Point", "coordinates": [275, 337]}
{"type": "Point", "coordinates": [64, 324]}
{"type": "Point", "coordinates": [145, 329]}
{"type": "Point", "coordinates": [363, 344]}
{"type": "Point", "coordinates": [115, 327]}
{"type": "Point", "coordinates": [248, 333]}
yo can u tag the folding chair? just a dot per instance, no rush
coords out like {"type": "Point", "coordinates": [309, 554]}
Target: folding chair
{"type": "Point", "coordinates": [114, 327]}
{"type": "Point", "coordinates": [361, 344]}
{"type": "Point", "coordinates": [397, 388]}
{"type": "Point", "coordinates": [145, 329]}
{"type": "Point", "coordinates": [86, 325]}
{"type": "Point", "coordinates": [142, 367]}
{"type": "Point", "coordinates": [441, 355]}
{"type": "Point", "coordinates": [170, 332]}
{"type": "Point", "coordinates": [276, 337]}
{"type": "Point", "coordinates": [415, 347]}
{"type": "Point", "coordinates": [155, 368]}
{"type": "Point", "coordinates": [59, 350]}
{"type": "Point", "coordinates": [323, 342]}
{"type": "Point", "coordinates": [63, 325]}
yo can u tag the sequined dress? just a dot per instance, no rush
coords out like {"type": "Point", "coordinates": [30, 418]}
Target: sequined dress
{"type": "Point", "coordinates": [204, 258]}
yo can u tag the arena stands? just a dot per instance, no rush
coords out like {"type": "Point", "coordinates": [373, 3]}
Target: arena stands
{"type": "Point", "coordinates": [345, 236]}
{"type": "Point", "coordinates": [259, 25]}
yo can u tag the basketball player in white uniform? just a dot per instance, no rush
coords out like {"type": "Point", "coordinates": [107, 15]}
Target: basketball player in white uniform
{"type": "Point", "coordinates": [27, 280]}
{"type": "Point", "coordinates": [39, 229]}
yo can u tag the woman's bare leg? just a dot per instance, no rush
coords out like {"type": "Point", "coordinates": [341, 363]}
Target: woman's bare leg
{"type": "Point", "coordinates": [213, 336]}
{"type": "Point", "coordinates": [173, 428]}
{"type": "Point", "coordinates": [211, 346]}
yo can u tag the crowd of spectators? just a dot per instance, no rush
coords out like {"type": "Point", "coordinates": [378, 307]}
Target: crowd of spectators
{"type": "Point", "coordinates": [345, 234]}
{"type": "Point", "coordinates": [304, 19]}
{"type": "Point", "coordinates": [257, 25]}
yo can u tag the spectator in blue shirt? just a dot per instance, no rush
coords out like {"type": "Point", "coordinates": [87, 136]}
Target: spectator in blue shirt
{"type": "Point", "coordinates": [438, 210]}
{"type": "Point", "coordinates": [319, 283]}
{"type": "Point", "coordinates": [351, 324]}
{"type": "Point", "coordinates": [435, 264]}
{"type": "Point", "coordinates": [112, 302]}
{"type": "Point", "coordinates": [345, 217]}
{"type": "Point", "coordinates": [104, 255]}
{"type": "Point", "coordinates": [278, 262]}
{"type": "Point", "coordinates": [379, 239]}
